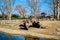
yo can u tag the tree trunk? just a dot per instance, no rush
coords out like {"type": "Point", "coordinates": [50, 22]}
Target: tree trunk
{"type": "Point", "coordinates": [58, 12]}
{"type": "Point", "coordinates": [3, 16]}
{"type": "Point", "coordinates": [9, 16]}
{"type": "Point", "coordinates": [23, 15]}
{"type": "Point", "coordinates": [55, 9]}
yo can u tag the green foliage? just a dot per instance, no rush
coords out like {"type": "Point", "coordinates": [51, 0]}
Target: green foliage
{"type": "Point", "coordinates": [3, 18]}
{"type": "Point", "coordinates": [14, 16]}
{"type": "Point", "coordinates": [0, 16]}
{"type": "Point", "coordinates": [43, 15]}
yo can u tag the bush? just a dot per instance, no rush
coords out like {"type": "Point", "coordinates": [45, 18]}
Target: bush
{"type": "Point", "coordinates": [14, 16]}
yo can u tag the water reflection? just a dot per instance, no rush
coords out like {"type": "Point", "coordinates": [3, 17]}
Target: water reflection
{"type": "Point", "coordinates": [8, 37]}
{"type": "Point", "coordinates": [18, 38]}
{"type": "Point", "coordinates": [4, 36]}
{"type": "Point", "coordinates": [42, 39]}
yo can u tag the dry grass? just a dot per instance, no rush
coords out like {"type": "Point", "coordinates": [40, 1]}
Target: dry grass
{"type": "Point", "coordinates": [50, 27]}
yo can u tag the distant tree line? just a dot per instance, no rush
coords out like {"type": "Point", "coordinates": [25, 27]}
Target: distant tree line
{"type": "Point", "coordinates": [43, 16]}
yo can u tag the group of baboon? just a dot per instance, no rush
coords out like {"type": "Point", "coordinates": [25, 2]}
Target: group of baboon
{"type": "Point", "coordinates": [32, 22]}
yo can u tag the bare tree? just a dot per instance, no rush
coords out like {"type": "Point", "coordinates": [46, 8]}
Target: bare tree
{"type": "Point", "coordinates": [55, 8]}
{"type": "Point", "coordinates": [34, 6]}
{"type": "Point", "coordinates": [21, 9]}
{"type": "Point", "coordinates": [6, 6]}
{"type": "Point", "coordinates": [58, 15]}
{"type": "Point", "coordinates": [9, 7]}
{"type": "Point", "coordinates": [2, 8]}
{"type": "Point", "coordinates": [52, 4]}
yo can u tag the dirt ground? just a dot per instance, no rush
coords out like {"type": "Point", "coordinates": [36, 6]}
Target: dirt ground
{"type": "Point", "coordinates": [49, 27]}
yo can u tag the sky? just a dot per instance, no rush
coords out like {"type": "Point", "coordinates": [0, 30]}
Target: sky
{"type": "Point", "coordinates": [44, 6]}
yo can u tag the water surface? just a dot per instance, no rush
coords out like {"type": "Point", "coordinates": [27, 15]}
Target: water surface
{"type": "Point", "coordinates": [9, 37]}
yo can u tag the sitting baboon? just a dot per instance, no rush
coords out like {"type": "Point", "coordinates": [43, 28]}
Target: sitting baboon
{"type": "Point", "coordinates": [35, 24]}
{"type": "Point", "coordinates": [24, 25]}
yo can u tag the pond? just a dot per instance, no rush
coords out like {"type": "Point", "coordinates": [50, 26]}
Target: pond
{"type": "Point", "coordinates": [8, 37]}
